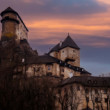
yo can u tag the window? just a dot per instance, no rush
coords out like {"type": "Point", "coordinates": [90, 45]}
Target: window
{"type": "Point", "coordinates": [96, 91]}
{"type": "Point", "coordinates": [49, 68]}
{"type": "Point", "coordinates": [89, 82]}
{"type": "Point", "coordinates": [74, 51]}
{"type": "Point", "coordinates": [71, 88]}
{"type": "Point", "coordinates": [96, 99]}
{"type": "Point", "coordinates": [86, 91]}
{"type": "Point", "coordinates": [87, 99]}
{"type": "Point", "coordinates": [105, 91]}
{"type": "Point", "coordinates": [78, 88]}
{"type": "Point", "coordinates": [62, 69]}
{"type": "Point", "coordinates": [106, 100]}
{"type": "Point", "coordinates": [56, 54]}
{"type": "Point", "coordinates": [65, 90]}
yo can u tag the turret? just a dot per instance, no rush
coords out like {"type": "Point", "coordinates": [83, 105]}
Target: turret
{"type": "Point", "coordinates": [12, 26]}
{"type": "Point", "coordinates": [67, 51]}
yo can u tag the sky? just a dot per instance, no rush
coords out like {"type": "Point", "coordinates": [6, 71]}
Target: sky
{"type": "Point", "coordinates": [87, 21]}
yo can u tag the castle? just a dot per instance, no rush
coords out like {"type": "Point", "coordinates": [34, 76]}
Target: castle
{"type": "Point", "coordinates": [83, 91]}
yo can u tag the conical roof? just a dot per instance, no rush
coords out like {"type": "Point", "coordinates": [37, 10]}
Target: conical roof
{"type": "Point", "coordinates": [68, 42]}
{"type": "Point", "coordinates": [9, 9]}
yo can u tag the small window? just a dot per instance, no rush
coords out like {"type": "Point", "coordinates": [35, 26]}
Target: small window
{"type": "Point", "coordinates": [56, 54]}
{"type": "Point", "coordinates": [95, 82]}
{"type": "Point", "coordinates": [60, 61]}
{"type": "Point", "coordinates": [78, 88]}
{"type": "Point", "coordinates": [62, 69]}
{"type": "Point", "coordinates": [71, 88]}
{"type": "Point", "coordinates": [96, 99]}
{"type": "Point", "coordinates": [96, 91]}
{"type": "Point", "coordinates": [89, 82]}
{"type": "Point", "coordinates": [86, 91]}
{"type": "Point", "coordinates": [74, 51]}
{"type": "Point", "coordinates": [105, 91]}
{"type": "Point", "coordinates": [59, 91]}
{"type": "Point", "coordinates": [106, 100]}
{"type": "Point", "coordinates": [65, 90]}
{"type": "Point", "coordinates": [49, 68]}
{"type": "Point", "coordinates": [87, 99]}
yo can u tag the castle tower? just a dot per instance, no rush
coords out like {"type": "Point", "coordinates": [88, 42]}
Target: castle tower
{"type": "Point", "coordinates": [12, 25]}
{"type": "Point", "coordinates": [67, 51]}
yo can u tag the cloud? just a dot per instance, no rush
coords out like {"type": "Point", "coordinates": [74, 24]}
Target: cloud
{"type": "Point", "coordinates": [56, 7]}
{"type": "Point", "coordinates": [104, 1]}
{"type": "Point", "coordinates": [37, 2]}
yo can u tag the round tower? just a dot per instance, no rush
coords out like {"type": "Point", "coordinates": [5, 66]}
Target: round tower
{"type": "Point", "coordinates": [9, 24]}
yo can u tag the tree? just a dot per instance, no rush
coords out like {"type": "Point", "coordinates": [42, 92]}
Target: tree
{"type": "Point", "coordinates": [26, 93]}
{"type": "Point", "coordinates": [68, 98]}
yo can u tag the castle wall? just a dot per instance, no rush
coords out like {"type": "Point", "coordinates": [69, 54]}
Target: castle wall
{"type": "Point", "coordinates": [82, 97]}
{"type": "Point", "coordinates": [50, 69]}
{"type": "Point", "coordinates": [70, 53]}
{"type": "Point", "coordinates": [21, 31]}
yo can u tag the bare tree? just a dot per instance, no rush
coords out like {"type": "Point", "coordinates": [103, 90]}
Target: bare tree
{"type": "Point", "coordinates": [74, 98]}
{"type": "Point", "coordinates": [100, 98]}
{"type": "Point", "coordinates": [69, 98]}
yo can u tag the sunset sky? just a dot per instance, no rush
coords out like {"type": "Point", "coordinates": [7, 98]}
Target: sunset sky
{"type": "Point", "coordinates": [87, 21]}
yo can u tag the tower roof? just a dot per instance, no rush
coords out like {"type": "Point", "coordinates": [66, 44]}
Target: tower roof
{"type": "Point", "coordinates": [9, 9]}
{"type": "Point", "coordinates": [68, 42]}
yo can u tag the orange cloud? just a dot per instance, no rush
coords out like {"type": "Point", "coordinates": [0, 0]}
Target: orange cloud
{"type": "Point", "coordinates": [105, 1]}
{"type": "Point", "coordinates": [47, 27]}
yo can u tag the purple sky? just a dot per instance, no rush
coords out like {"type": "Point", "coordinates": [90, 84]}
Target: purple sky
{"type": "Point", "coordinates": [87, 21]}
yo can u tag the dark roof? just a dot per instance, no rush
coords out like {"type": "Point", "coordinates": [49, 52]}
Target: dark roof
{"type": "Point", "coordinates": [84, 72]}
{"type": "Point", "coordinates": [47, 59]}
{"type": "Point", "coordinates": [68, 42]}
{"type": "Point", "coordinates": [44, 59]}
{"type": "Point", "coordinates": [88, 81]}
{"type": "Point", "coordinates": [8, 10]}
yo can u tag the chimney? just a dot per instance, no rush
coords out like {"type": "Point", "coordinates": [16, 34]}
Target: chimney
{"type": "Point", "coordinates": [60, 43]}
